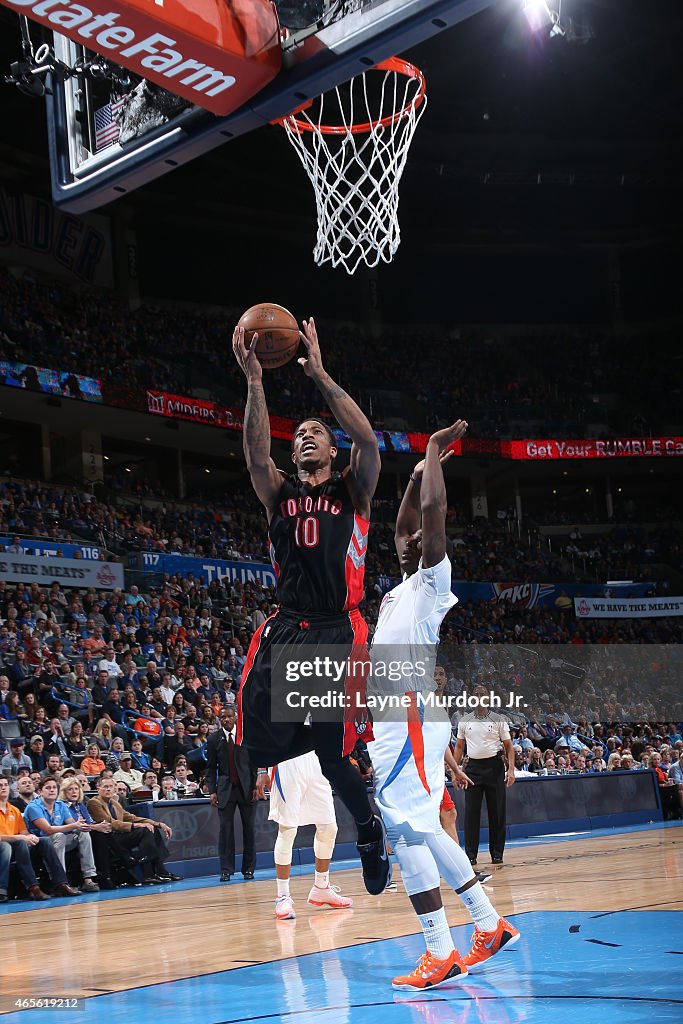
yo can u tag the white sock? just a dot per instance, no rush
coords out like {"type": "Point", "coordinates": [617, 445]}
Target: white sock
{"type": "Point", "coordinates": [322, 879]}
{"type": "Point", "coordinates": [437, 933]}
{"type": "Point", "coordinates": [480, 907]}
{"type": "Point", "coordinates": [282, 887]}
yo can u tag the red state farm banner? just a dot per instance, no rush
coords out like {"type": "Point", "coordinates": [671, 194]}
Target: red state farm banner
{"type": "Point", "coordinates": [621, 447]}
{"type": "Point", "coordinates": [215, 54]}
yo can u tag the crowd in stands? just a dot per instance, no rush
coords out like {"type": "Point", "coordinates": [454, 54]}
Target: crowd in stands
{"type": "Point", "coordinates": [122, 689]}
{"type": "Point", "coordinates": [556, 380]}
{"type": "Point", "coordinates": [235, 529]}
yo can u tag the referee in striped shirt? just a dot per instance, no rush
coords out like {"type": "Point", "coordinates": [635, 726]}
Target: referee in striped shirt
{"type": "Point", "coordinates": [487, 736]}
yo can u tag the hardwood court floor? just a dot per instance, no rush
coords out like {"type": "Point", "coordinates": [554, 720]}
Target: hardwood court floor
{"type": "Point", "coordinates": [79, 948]}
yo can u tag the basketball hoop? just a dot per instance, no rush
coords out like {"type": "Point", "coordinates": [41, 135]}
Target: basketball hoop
{"type": "Point", "coordinates": [355, 165]}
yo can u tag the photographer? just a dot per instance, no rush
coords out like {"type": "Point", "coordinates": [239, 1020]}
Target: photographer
{"type": "Point", "coordinates": [183, 787]}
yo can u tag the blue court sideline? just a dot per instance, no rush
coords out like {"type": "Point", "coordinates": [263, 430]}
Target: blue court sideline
{"type": "Point", "coordinates": [622, 967]}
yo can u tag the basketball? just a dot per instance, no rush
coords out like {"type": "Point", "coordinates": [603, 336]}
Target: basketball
{"type": "Point", "coordinates": [278, 333]}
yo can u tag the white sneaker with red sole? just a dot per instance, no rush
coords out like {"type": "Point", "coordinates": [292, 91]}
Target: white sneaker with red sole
{"type": "Point", "coordinates": [284, 908]}
{"type": "Point", "coordinates": [329, 897]}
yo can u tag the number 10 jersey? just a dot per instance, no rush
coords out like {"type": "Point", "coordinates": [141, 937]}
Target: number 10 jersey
{"type": "Point", "coordinates": [318, 542]}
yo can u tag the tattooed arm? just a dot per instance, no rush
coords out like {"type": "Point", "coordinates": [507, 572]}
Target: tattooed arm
{"type": "Point", "coordinates": [363, 471]}
{"type": "Point", "coordinates": [265, 477]}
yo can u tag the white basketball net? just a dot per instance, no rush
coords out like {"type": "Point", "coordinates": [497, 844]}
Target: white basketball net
{"type": "Point", "coordinates": [356, 176]}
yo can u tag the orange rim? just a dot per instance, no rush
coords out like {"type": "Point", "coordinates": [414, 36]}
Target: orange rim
{"type": "Point", "coordinates": [400, 67]}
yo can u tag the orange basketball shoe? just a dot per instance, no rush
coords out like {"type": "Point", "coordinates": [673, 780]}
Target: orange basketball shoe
{"type": "Point", "coordinates": [431, 971]}
{"type": "Point", "coordinates": [487, 944]}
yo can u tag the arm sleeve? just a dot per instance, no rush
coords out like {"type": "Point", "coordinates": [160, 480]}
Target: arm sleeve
{"type": "Point", "coordinates": [30, 815]}
{"type": "Point", "coordinates": [135, 818]}
{"type": "Point", "coordinates": [433, 586]}
{"type": "Point", "coordinates": [504, 731]}
{"type": "Point", "coordinates": [438, 577]}
{"type": "Point", "coordinates": [461, 730]}
{"type": "Point", "coordinates": [100, 812]}
{"type": "Point", "coordinates": [211, 765]}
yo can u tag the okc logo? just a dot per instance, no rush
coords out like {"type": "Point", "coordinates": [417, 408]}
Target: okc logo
{"type": "Point", "coordinates": [524, 595]}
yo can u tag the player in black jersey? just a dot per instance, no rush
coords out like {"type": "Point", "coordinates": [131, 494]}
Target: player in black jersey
{"type": "Point", "coordinates": [318, 528]}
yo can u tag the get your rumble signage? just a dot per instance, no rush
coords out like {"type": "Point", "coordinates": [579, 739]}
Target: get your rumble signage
{"type": "Point", "coordinates": [624, 447]}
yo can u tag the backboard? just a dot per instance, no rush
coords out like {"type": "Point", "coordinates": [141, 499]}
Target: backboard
{"type": "Point", "coordinates": [110, 131]}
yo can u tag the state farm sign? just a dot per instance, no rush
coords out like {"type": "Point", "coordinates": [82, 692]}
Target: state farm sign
{"type": "Point", "coordinates": [215, 54]}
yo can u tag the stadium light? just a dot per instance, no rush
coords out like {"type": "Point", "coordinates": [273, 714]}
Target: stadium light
{"type": "Point", "coordinates": [536, 13]}
{"type": "Point", "coordinates": [540, 16]}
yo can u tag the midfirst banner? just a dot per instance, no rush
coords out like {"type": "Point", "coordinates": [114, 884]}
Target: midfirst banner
{"type": "Point", "coordinates": [627, 607]}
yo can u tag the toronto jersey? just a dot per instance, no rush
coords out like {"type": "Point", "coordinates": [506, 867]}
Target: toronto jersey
{"type": "Point", "coordinates": [317, 546]}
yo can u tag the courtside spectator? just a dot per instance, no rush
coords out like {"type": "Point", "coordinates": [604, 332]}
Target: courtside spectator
{"type": "Point", "coordinates": [49, 817]}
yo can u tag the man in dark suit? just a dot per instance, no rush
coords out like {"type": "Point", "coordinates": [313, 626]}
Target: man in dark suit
{"type": "Point", "coordinates": [171, 747]}
{"type": "Point", "coordinates": [232, 785]}
{"type": "Point", "coordinates": [55, 741]}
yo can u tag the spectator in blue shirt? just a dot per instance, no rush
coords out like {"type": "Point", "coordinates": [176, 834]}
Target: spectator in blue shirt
{"type": "Point", "coordinates": [569, 739]}
{"type": "Point", "coordinates": [134, 597]}
{"type": "Point", "coordinates": [16, 758]}
{"type": "Point", "coordinates": [50, 818]}
{"type": "Point", "coordinates": [523, 740]}
{"type": "Point", "coordinates": [140, 759]}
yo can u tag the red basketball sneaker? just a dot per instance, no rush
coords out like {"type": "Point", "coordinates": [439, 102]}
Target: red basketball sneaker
{"type": "Point", "coordinates": [487, 944]}
{"type": "Point", "coordinates": [431, 971]}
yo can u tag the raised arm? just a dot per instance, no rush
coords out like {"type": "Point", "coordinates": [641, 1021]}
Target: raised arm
{"type": "Point", "coordinates": [408, 518]}
{"type": "Point", "coordinates": [433, 504]}
{"type": "Point", "coordinates": [265, 478]}
{"type": "Point", "coordinates": [364, 467]}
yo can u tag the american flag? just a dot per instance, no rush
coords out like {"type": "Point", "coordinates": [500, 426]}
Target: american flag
{"type": "Point", "coordinates": [106, 128]}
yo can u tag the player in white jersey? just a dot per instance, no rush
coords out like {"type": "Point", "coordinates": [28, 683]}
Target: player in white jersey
{"type": "Point", "coordinates": [407, 756]}
{"type": "Point", "coordinates": [301, 795]}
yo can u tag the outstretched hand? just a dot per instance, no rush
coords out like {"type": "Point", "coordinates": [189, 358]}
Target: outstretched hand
{"type": "Point", "coordinates": [312, 364]}
{"type": "Point", "coordinates": [444, 438]}
{"type": "Point", "coordinates": [246, 355]}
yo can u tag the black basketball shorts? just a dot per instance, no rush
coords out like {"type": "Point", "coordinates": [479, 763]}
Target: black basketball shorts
{"type": "Point", "coordinates": [270, 742]}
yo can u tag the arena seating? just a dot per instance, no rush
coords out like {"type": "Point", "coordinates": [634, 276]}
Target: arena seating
{"type": "Point", "coordinates": [508, 377]}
